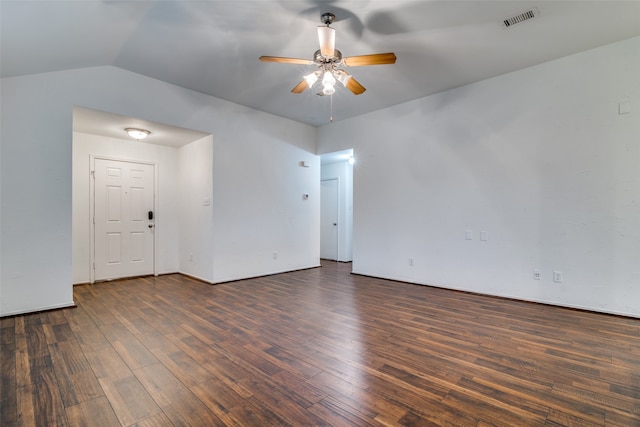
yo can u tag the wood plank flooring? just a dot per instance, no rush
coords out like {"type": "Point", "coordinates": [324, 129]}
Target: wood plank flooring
{"type": "Point", "coordinates": [315, 347]}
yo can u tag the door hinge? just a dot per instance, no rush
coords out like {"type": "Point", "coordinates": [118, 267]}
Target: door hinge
{"type": "Point", "coordinates": [94, 266]}
{"type": "Point", "coordinates": [93, 174]}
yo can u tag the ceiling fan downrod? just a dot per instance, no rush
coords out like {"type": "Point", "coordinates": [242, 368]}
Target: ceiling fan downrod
{"type": "Point", "coordinates": [327, 18]}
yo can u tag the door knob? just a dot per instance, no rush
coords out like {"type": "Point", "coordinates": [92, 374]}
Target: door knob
{"type": "Point", "coordinates": [335, 223]}
{"type": "Point", "coordinates": [150, 225]}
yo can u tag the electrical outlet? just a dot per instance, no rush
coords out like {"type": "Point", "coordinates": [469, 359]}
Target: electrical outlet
{"type": "Point", "coordinates": [411, 262]}
{"type": "Point", "coordinates": [557, 276]}
{"type": "Point", "coordinates": [536, 274]}
{"type": "Point", "coordinates": [191, 257]}
{"type": "Point", "coordinates": [275, 255]}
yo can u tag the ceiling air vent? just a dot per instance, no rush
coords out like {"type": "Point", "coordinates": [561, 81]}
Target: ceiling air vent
{"type": "Point", "coordinates": [520, 18]}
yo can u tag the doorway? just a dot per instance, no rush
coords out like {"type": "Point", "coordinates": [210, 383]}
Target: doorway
{"type": "Point", "coordinates": [181, 160]}
{"type": "Point", "coordinates": [123, 219]}
{"type": "Point", "coordinates": [329, 204]}
{"type": "Point", "coordinates": [336, 177]}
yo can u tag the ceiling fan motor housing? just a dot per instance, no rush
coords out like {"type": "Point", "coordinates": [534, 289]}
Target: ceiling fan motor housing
{"type": "Point", "coordinates": [319, 59]}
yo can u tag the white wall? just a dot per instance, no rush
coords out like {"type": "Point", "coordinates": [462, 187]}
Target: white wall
{"type": "Point", "coordinates": [167, 192]}
{"type": "Point", "coordinates": [195, 205]}
{"type": "Point", "coordinates": [343, 171]}
{"type": "Point", "coordinates": [540, 159]}
{"type": "Point", "coordinates": [258, 210]}
{"type": "Point", "coordinates": [257, 191]}
{"type": "Point", "coordinates": [36, 199]}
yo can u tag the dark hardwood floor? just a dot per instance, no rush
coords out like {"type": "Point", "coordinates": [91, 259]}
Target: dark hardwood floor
{"type": "Point", "coordinates": [314, 347]}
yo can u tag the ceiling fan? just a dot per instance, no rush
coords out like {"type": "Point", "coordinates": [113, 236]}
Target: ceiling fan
{"type": "Point", "coordinates": [328, 59]}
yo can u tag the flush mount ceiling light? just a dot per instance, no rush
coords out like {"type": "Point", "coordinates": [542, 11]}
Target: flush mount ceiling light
{"type": "Point", "coordinates": [137, 134]}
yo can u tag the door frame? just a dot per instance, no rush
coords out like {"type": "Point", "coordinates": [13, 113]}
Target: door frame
{"type": "Point", "coordinates": [92, 207]}
{"type": "Point", "coordinates": [338, 207]}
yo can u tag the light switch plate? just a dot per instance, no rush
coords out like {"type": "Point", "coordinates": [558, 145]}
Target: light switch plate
{"type": "Point", "coordinates": [624, 107]}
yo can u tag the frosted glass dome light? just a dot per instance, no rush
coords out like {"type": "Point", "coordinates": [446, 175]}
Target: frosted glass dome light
{"type": "Point", "coordinates": [137, 134]}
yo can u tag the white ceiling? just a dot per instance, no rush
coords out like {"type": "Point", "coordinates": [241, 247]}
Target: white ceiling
{"type": "Point", "coordinates": [114, 125]}
{"type": "Point", "coordinates": [213, 46]}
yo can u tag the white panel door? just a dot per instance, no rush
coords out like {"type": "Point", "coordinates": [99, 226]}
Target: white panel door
{"type": "Point", "coordinates": [329, 219]}
{"type": "Point", "coordinates": [124, 234]}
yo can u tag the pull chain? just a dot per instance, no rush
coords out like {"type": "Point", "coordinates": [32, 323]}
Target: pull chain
{"type": "Point", "coordinates": [331, 106]}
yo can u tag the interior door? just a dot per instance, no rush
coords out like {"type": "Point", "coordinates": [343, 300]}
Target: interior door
{"type": "Point", "coordinates": [124, 219]}
{"type": "Point", "coordinates": [329, 219]}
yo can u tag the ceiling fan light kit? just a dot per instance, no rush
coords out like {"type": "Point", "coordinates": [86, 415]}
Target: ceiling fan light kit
{"type": "Point", "coordinates": [328, 59]}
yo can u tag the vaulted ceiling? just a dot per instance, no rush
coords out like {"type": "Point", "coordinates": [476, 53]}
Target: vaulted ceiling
{"type": "Point", "coordinates": [213, 46]}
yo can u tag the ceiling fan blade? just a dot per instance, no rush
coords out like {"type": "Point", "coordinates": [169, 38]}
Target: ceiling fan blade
{"type": "Point", "coordinates": [327, 39]}
{"type": "Point", "coordinates": [354, 86]}
{"type": "Point", "coordinates": [285, 60]}
{"type": "Point", "coordinates": [300, 87]}
{"type": "Point", "coordinates": [373, 59]}
{"type": "Point", "coordinates": [349, 82]}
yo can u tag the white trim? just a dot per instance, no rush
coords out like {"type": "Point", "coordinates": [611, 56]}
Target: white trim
{"type": "Point", "coordinates": [92, 225]}
{"type": "Point", "coordinates": [502, 295]}
{"type": "Point", "coordinates": [39, 309]}
{"type": "Point", "coordinates": [194, 276]}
